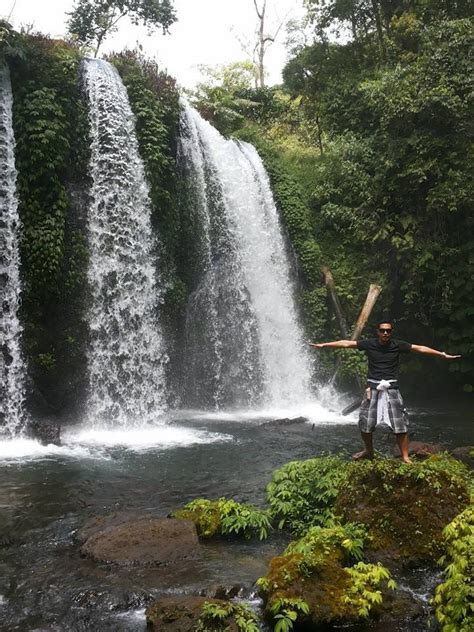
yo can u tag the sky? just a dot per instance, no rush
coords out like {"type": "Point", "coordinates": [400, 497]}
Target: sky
{"type": "Point", "coordinates": [207, 32]}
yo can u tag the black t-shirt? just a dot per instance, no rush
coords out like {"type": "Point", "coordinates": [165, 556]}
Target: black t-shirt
{"type": "Point", "coordinates": [383, 359]}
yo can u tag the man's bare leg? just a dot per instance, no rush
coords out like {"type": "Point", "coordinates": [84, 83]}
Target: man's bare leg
{"type": "Point", "coordinates": [402, 441]}
{"type": "Point", "coordinates": [368, 451]}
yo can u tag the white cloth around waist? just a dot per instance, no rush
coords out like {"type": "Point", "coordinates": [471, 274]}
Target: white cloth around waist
{"type": "Point", "coordinates": [382, 400]}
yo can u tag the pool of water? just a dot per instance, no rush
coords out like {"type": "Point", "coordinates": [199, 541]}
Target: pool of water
{"type": "Point", "coordinates": [47, 493]}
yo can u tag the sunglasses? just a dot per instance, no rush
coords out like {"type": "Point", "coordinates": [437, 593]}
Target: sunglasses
{"type": "Point", "coordinates": [385, 331]}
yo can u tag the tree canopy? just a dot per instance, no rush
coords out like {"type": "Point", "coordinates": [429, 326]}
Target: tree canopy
{"type": "Point", "coordinates": [92, 21]}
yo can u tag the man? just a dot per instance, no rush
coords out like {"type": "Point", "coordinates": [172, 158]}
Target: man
{"type": "Point", "coordinates": [383, 401]}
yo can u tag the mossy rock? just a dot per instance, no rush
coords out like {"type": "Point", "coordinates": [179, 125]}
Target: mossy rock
{"type": "Point", "coordinates": [404, 507]}
{"type": "Point", "coordinates": [187, 613]}
{"type": "Point", "coordinates": [316, 580]}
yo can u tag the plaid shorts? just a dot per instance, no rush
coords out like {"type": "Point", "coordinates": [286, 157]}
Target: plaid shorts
{"type": "Point", "coordinates": [397, 412]}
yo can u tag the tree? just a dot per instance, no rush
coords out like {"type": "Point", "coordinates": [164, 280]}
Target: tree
{"type": "Point", "coordinates": [93, 20]}
{"type": "Point", "coordinates": [219, 98]}
{"type": "Point", "coordinates": [264, 40]}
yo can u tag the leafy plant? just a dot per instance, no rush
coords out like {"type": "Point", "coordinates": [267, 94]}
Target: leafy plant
{"type": "Point", "coordinates": [226, 517]}
{"type": "Point", "coordinates": [364, 592]}
{"type": "Point", "coordinates": [302, 493]}
{"type": "Point", "coordinates": [217, 617]}
{"type": "Point", "coordinates": [454, 598]}
{"type": "Point", "coordinates": [285, 612]}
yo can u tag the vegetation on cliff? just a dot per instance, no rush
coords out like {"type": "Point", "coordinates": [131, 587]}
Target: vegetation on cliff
{"type": "Point", "coordinates": [51, 132]}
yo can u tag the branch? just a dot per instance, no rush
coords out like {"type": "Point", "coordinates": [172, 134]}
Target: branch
{"type": "Point", "coordinates": [260, 15]}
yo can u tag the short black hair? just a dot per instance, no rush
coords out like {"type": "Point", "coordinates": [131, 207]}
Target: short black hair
{"type": "Point", "coordinates": [384, 320]}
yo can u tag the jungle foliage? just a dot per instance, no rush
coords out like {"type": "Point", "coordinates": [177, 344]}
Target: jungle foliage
{"type": "Point", "coordinates": [454, 598]}
{"type": "Point", "coordinates": [51, 132]}
{"type": "Point", "coordinates": [374, 136]}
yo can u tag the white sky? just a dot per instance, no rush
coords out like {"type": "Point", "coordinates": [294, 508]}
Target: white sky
{"type": "Point", "coordinates": [206, 32]}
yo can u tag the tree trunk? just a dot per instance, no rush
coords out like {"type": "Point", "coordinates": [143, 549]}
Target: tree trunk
{"type": "Point", "coordinates": [331, 288]}
{"type": "Point", "coordinates": [261, 47]}
{"type": "Point", "coordinates": [372, 296]}
{"type": "Point", "coordinates": [378, 25]}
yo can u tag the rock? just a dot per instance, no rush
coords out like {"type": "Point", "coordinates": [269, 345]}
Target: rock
{"type": "Point", "coordinates": [286, 421]}
{"type": "Point", "coordinates": [147, 540]}
{"type": "Point", "coordinates": [181, 614]}
{"type": "Point", "coordinates": [222, 592]}
{"type": "Point", "coordinates": [404, 508]}
{"type": "Point", "coordinates": [465, 454]}
{"type": "Point", "coordinates": [174, 614]}
{"type": "Point", "coordinates": [46, 431]}
{"type": "Point", "coordinates": [420, 449]}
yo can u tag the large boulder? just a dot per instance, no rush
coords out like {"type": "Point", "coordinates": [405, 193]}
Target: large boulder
{"type": "Point", "coordinates": [404, 507]}
{"type": "Point", "coordinates": [146, 540]}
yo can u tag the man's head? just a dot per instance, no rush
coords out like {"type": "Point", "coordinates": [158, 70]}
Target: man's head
{"type": "Point", "coordinates": [384, 331]}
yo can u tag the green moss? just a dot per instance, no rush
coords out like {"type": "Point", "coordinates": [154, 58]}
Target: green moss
{"type": "Point", "coordinates": [316, 570]}
{"type": "Point", "coordinates": [404, 507]}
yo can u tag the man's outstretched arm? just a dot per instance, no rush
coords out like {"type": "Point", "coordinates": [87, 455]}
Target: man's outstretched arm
{"type": "Point", "coordinates": [433, 352]}
{"type": "Point", "coordinates": [335, 344]}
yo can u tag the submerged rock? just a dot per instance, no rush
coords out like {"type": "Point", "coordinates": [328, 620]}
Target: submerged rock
{"type": "Point", "coordinates": [147, 540]}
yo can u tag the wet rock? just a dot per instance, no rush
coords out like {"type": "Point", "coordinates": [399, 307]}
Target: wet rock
{"type": "Point", "coordinates": [222, 592]}
{"type": "Point", "coordinates": [465, 454]}
{"type": "Point", "coordinates": [286, 421]}
{"type": "Point", "coordinates": [181, 614]}
{"type": "Point", "coordinates": [147, 540]}
{"type": "Point", "coordinates": [420, 449]}
{"type": "Point", "coordinates": [401, 606]}
{"type": "Point", "coordinates": [175, 614]}
{"type": "Point", "coordinates": [46, 431]}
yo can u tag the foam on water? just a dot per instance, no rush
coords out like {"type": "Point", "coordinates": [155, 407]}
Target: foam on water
{"type": "Point", "coordinates": [102, 443]}
{"type": "Point", "coordinates": [147, 438]}
{"type": "Point", "coordinates": [14, 450]}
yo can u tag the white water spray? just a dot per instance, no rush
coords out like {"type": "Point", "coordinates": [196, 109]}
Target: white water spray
{"type": "Point", "coordinates": [126, 357]}
{"type": "Point", "coordinates": [13, 417]}
{"type": "Point", "coordinates": [261, 269]}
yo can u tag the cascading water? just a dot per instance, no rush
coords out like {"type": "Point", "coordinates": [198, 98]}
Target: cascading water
{"type": "Point", "coordinates": [222, 358]}
{"type": "Point", "coordinates": [13, 417]}
{"type": "Point", "coordinates": [126, 356]}
{"type": "Point", "coordinates": [231, 190]}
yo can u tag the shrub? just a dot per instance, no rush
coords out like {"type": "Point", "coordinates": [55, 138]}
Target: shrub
{"type": "Point", "coordinates": [302, 493]}
{"type": "Point", "coordinates": [225, 517]}
{"type": "Point", "coordinates": [454, 598]}
{"type": "Point", "coordinates": [217, 617]}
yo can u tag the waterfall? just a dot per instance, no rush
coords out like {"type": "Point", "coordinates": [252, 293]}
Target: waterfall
{"type": "Point", "coordinates": [126, 359]}
{"type": "Point", "coordinates": [13, 417]}
{"type": "Point", "coordinates": [242, 323]}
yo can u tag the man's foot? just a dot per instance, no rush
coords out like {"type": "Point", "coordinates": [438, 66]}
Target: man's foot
{"type": "Point", "coordinates": [406, 459]}
{"type": "Point", "coordinates": [365, 454]}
